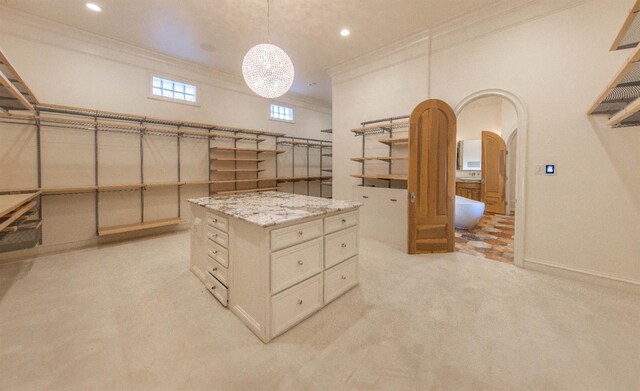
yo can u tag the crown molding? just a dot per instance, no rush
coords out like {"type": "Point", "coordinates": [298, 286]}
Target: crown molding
{"type": "Point", "coordinates": [36, 29]}
{"type": "Point", "coordinates": [465, 28]}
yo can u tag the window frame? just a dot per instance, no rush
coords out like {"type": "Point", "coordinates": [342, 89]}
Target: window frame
{"type": "Point", "coordinates": [174, 79]}
{"type": "Point", "coordinates": [293, 112]}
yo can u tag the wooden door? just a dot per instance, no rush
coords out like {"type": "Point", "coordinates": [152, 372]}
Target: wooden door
{"type": "Point", "coordinates": [432, 178]}
{"type": "Point", "coordinates": [494, 158]}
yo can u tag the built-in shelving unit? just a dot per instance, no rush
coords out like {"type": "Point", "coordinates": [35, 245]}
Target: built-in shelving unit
{"type": "Point", "coordinates": [14, 92]}
{"type": "Point", "coordinates": [391, 132]}
{"type": "Point", "coordinates": [20, 222]}
{"type": "Point", "coordinates": [621, 99]}
{"type": "Point", "coordinates": [629, 35]}
{"type": "Point", "coordinates": [306, 145]}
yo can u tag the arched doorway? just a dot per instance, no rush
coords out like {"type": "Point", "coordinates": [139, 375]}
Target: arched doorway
{"type": "Point", "coordinates": [520, 129]}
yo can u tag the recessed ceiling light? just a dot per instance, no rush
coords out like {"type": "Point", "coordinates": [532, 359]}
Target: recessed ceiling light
{"type": "Point", "coordinates": [345, 32]}
{"type": "Point", "coordinates": [94, 7]}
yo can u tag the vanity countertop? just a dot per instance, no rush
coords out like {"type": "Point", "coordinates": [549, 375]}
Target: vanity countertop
{"type": "Point", "coordinates": [470, 180]}
{"type": "Point", "coordinates": [272, 208]}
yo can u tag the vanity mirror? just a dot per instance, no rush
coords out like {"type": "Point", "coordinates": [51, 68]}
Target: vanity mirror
{"type": "Point", "coordinates": [469, 155]}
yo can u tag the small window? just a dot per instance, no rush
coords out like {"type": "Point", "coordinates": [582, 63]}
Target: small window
{"type": "Point", "coordinates": [281, 113]}
{"type": "Point", "coordinates": [170, 89]}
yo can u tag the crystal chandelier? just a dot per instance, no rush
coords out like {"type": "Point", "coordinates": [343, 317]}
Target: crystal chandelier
{"type": "Point", "coordinates": [267, 69]}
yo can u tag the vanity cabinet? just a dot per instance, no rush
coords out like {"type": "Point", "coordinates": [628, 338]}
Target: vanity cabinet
{"type": "Point", "coordinates": [471, 190]}
{"type": "Point", "coordinates": [273, 277]}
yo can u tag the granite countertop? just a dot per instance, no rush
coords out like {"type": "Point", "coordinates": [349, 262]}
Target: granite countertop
{"type": "Point", "coordinates": [272, 208]}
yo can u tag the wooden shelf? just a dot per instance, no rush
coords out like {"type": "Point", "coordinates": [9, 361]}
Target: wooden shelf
{"type": "Point", "coordinates": [327, 154]}
{"type": "Point", "coordinates": [213, 149]}
{"type": "Point", "coordinates": [303, 178]}
{"type": "Point", "coordinates": [303, 144]}
{"type": "Point", "coordinates": [14, 92]}
{"type": "Point", "coordinates": [382, 177]}
{"type": "Point", "coordinates": [119, 229]}
{"type": "Point", "coordinates": [326, 131]}
{"type": "Point", "coordinates": [226, 181]}
{"type": "Point", "coordinates": [327, 169]}
{"type": "Point", "coordinates": [162, 184]}
{"type": "Point", "coordinates": [629, 34]}
{"type": "Point", "coordinates": [238, 170]}
{"type": "Point", "coordinates": [223, 192]}
{"type": "Point", "coordinates": [622, 90]}
{"type": "Point", "coordinates": [68, 190]}
{"type": "Point", "coordinates": [383, 158]}
{"type": "Point", "coordinates": [327, 183]}
{"type": "Point", "coordinates": [380, 127]}
{"type": "Point", "coordinates": [238, 160]}
{"type": "Point", "coordinates": [11, 202]}
{"type": "Point", "coordinates": [391, 141]}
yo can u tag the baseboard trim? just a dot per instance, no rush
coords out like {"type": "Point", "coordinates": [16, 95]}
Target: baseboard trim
{"type": "Point", "coordinates": [589, 276]}
{"type": "Point", "coordinates": [20, 255]}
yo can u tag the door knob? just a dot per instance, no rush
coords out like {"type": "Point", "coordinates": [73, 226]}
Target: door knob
{"type": "Point", "coordinates": [344, 245]}
{"type": "Point", "coordinates": [412, 197]}
{"type": "Point", "coordinates": [300, 263]}
{"type": "Point", "coordinates": [300, 302]}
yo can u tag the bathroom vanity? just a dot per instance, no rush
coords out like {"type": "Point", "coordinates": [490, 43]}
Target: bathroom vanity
{"type": "Point", "coordinates": [469, 188]}
{"type": "Point", "coordinates": [274, 258]}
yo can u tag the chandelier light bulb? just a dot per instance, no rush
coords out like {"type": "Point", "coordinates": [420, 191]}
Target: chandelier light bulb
{"type": "Point", "coordinates": [268, 70]}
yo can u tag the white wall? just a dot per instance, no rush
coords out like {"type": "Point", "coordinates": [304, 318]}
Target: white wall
{"type": "Point", "coordinates": [69, 68]}
{"type": "Point", "coordinates": [387, 92]}
{"type": "Point", "coordinates": [586, 218]}
{"type": "Point", "coordinates": [480, 115]}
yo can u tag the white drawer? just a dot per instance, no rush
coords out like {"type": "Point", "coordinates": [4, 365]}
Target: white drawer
{"type": "Point", "coordinates": [216, 288]}
{"type": "Point", "coordinates": [341, 221]}
{"type": "Point", "coordinates": [218, 253]}
{"type": "Point", "coordinates": [294, 264]}
{"type": "Point", "coordinates": [218, 222]}
{"type": "Point", "coordinates": [218, 236]}
{"type": "Point", "coordinates": [285, 237]}
{"type": "Point", "coordinates": [218, 271]}
{"type": "Point", "coordinates": [295, 304]}
{"type": "Point", "coordinates": [340, 279]}
{"type": "Point", "coordinates": [340, 246]}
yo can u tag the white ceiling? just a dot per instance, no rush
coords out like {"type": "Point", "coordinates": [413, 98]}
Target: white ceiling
{"type": "Point", "coordinates": [306, 29]}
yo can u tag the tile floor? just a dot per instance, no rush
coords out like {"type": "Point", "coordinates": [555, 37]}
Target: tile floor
{"type": "Point", "coordinates": [492, 238]}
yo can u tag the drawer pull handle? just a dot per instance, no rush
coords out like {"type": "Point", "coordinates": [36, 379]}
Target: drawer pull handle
{"type": "Point", "coordinates": [215, 221]}
{"type": "Point", "coordinates": [212, 270]}
{"type": "Point", "coordinates": [213, 288]}
{"type": "Point", "coordinates": [300, 302]}
{"type": "Point", "coordinates": [344, 221]}
{"type": "Point", "coordinates": [393, 199]}
{"type": "Point", "coordinates": [344, 245]}
{"type": "Point", "coordinates": [344, 277]}
{"type": "Point", "coordinates": [299, 233]}
{"type": "Point", "coordinates": [300, 263]}
{"type": "Point", "coordinates": [214, 251]}
{"type": "Point", "coordinates": [365, 196]}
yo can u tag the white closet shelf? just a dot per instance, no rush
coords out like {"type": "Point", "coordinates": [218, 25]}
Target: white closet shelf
{"type": "Point", "coordinates": [629, 34]}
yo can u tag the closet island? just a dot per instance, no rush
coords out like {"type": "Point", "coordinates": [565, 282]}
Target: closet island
{"type": "Point", "coordinates": [274, 258]}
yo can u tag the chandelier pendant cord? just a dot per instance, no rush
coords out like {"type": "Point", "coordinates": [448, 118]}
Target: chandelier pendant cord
{"type": "Point", "coordinates": [268, 22]}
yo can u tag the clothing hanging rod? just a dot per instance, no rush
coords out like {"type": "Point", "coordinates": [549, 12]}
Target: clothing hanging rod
{"type": "Point", "coordinates": [384, 120]}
